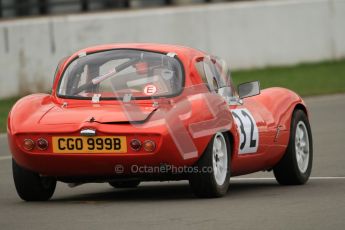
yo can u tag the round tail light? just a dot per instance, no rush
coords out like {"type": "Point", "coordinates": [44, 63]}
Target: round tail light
{"type": "Point", "coordinates": [149, 146]}
{"type": "Point", "coordinates": [135, 144]}
{"type": "Point", "coordinates": [28, 144]}
{"type": "Point", "coordinates": [42, 144]}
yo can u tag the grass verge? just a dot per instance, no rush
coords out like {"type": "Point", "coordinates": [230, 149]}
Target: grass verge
{"type": "Point", "coordinates": [5, 107]}
{"type": "Point", "coordinates": [305, 79]}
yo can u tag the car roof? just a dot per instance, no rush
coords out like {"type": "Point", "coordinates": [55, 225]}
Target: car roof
{"type": "Point", "coordinates": [185, 54]}
{"type": "Point", "coordinates": [156, 47]}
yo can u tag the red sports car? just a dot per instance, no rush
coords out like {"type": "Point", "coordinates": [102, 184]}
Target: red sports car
{"type": "Point", "coordinates": [128, 113]}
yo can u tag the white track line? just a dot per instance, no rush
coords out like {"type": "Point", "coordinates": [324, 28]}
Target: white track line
{"type": "Point", "coordinates": [252, 178]}
{"type": "Point", "coordinates": [5, 158]}
{"type": "Point", "coordinates": [272, 178]}
{"type": "Point", "coordinates": [3, 135]}
{"type": "Point", "coordinates": [328, 178]}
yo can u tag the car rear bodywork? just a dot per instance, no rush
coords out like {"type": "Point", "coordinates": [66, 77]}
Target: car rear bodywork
{"type": "Point", "coordinates": [168, 123]}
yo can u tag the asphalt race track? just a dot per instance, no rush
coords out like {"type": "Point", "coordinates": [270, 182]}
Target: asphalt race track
{"type": "Point", "coordinates": [253, 202]}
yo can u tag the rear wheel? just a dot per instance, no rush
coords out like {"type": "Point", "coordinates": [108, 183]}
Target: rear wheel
{"type": "Point", "coordinates": [295, 167]}
{"type": "Point", "coordinates": [213, 176]}
{"type": "Point", "coordinates": [125, 184]}
{"type": "Point", "coordinates": [31, 186]}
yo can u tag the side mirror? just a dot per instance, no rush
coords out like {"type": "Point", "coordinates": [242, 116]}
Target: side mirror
{"type": "Point", "coordinates": [249, 89]}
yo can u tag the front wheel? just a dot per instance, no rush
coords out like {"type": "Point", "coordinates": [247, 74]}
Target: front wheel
{"type": "Point", "coordinates": [295, 167]}
{"type": "Point", "coordinates": [31, 186]}
{"type": "Point", "coordinates": [213, 176]}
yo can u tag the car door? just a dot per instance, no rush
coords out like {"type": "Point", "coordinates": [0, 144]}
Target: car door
{"type": "Point", "coordinates": [251, 127]}
{"type": "Point", "coordinates": [252, 133]}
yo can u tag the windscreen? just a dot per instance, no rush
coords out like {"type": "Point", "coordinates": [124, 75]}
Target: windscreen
{"type": "Point", "coordinates": [114, 74]}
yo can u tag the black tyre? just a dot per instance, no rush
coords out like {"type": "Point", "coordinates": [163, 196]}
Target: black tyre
{"type": "Point", "coordinates": [31, 186]}
{"type": "Point", "coordinates": [295, 166]}
{"type": "Point", "coordinates": [213, 176]}
{"type": "Point", "coordinates": [125, 184]}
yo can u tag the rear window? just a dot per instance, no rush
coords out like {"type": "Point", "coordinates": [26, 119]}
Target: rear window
{"type": "Point", "coordinates": [122, 73]}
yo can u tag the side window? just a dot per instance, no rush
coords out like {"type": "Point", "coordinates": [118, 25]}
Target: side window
{"type": "Point", "coordinates": [208, 74]}
{"type": "Point", "coordinates": [58, 67]}
{"type": "Point", "coordinates": [216, 75]}
{"type": "Point", "coordinates": [57, 70]}
{"type": "Point", "coordinates": [200, 68]}
{"type": "Point", "coordinates": [225, 77]}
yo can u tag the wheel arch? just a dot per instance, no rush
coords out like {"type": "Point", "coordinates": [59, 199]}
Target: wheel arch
{"type": "Point", "coordinates": [298, 106]}
{"type": "Point", "coordinates": [302, 107]}
{"type": "Point", "coordinates": [229, 135]}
